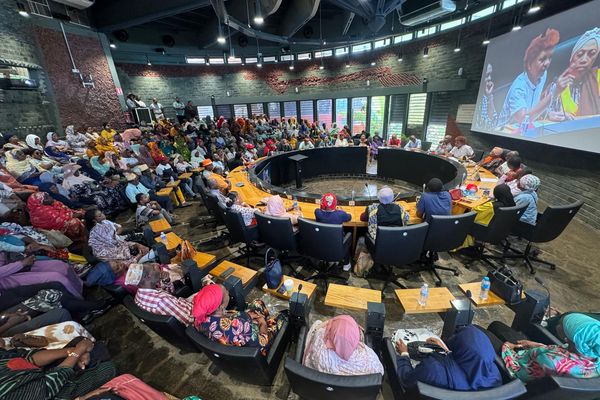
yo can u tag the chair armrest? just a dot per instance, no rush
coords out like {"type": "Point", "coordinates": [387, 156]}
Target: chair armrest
{"type": "Point", "coordinates": [301, 343]}
{"type": "Point", "coordinates": [279, 344]}
{"type": "Point", "coordinates": [540, 334]}
{"type": "Point", "coordinates": [511, 390]}
{"type": "Point", "coordinates": [347, 237]}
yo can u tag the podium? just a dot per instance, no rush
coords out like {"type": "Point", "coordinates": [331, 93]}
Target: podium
{"type": "Point", "coordinates": [297, 159]}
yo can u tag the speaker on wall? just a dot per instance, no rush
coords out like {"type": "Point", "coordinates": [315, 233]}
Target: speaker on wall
{"type": "Point", "coordinates": [121, 35]}
{"type": "Point", "coordinates": [168, 40]}
{"type": "Point", "coordinates": [243, 41]}
{"type": "Point", "coordinates": [308, 31]}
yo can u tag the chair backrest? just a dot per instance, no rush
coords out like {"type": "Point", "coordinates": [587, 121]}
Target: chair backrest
{"type": "Point", "coordinates": [425, 146]}
{"type": "Point", "coordinates": [502, 223]}
{"type": "Point", "coordinates": [553, 222]}
{"type": "Point", "coordinates": [165, 326]}
{"type": "Point", "coordinates": [399, 245]}
{"type": "Point", "coordinates": [244, 363]}
{"type": "Point", "coordinates": [276, 232]}
{"type": "Point", "coordinates": [321, 241]}
{"type": "Point", "coordinates": [212, 204]}
{"type": "Point", "coordinates": [477, 155]}
{"type": "Point", "coordinates": [447, 232]}
{"type": "Point", "coordinates": [238, 230]}
{"type": "Point", "coordinates": [314, 385]}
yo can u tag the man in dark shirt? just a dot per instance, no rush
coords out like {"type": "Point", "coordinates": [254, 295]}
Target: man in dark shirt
{"type": "Point", "coordinates": [236, 162]}
{"type": "Point", "coordinates": [435, 200]}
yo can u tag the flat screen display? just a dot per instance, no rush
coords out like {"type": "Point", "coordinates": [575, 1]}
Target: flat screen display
{"type": "Point", "coordinates": [542, 83]}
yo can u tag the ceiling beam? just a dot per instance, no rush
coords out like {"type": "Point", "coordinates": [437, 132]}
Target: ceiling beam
{"type": "Point", "coordinates": [111, 15]}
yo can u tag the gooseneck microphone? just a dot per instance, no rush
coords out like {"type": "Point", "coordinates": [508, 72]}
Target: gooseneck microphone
{"type": "Point", "coordinates": [295, 303]}
{"type": "Point", "coordinates": [542, 284]}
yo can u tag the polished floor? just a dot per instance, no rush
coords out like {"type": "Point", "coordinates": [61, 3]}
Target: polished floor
{"type": "Point", "coordinates": [356, 187]}
{"type": "Point", "coordinates": [574, 285]}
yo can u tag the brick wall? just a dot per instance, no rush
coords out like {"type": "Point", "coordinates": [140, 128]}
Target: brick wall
{"type": "Point", "coordinates": [78, 105]}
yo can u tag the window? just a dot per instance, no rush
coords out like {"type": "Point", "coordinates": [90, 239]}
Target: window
{"type": "Point", "coordinates": [359, 114]}
{"type": "Point", "coordinates": [224, 110]}
{"type": "Point", "coordinates": [204, 111]}
{"type": "Point", "coordinates": [40, 7]}
{"type": "Point", "coordinates": [306, 111]}
{"type": "Point", "coordinates": [403, 38]}
{"type": "Point", "coordinates": [324, 53]}
{"type": "Point", "coordinates": [358, 48]}
{"type": "Point", "coordinates": [78, 17]}
{"type": "Point", "coordinates": [382, 43]}
{"type": "Point", "coordinates": [274, 110]}
{"type": "Point", "coordinates": [377, 113]}
{"type": "Point", "coordinates": [416, 114]}
{"type": "Point", "coordinates": [234, 60]}
{"type": "Point", "coordinates": [483, 13]}
{"type": "Point", "coordinates": [341, 51]}
{"type": "Point", "coordinates": [426, 31]}
{"type": "Point", "coordinates": [510, 3]}
{"type": "Point", "coordinates": [341, 112]}
{"type": "Point", "coordinates": [270, 59]}
{"type": "Point", "coordinates": [240, 110]}
{"type": "Point", "coordinates": [304, 56]}
{"type": "Point", "coordinates": [452, 24]}
{"type": "Point", "coordinates": [251, 60]}
{"type": "Point", "coordinates": [289, 110]}
{"type": "Point", "coordinates": [257, 108]}
{"type": "Point", "coordinates": [287, 57]}
{"type": "Point", "coordinates": [195, 60]}
{"type": "Point", "coordinates": [396, 112]}
{"type": "Point", "coordinates": [324, 111]}
{"type": "Point", "coordinates": [217, 60]}
{"type": "Point", "coordinates": [438, 117]}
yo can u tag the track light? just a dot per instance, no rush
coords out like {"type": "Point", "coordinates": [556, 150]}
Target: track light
{"type": "Point", "coordinates": [516, 24]}
{"type": "Point", "coordinates": [22, 11]}
{"type": "Point", "coordinates": [426, 52]}
{"type": "Point", "coordinates": [221, 38]}
{"type": "Point", "coordinates": [112, 45]}
{"type": "Point", "coordinates": [457, 47]}
{"type": "Point", "coordinates": [373, 63]}
{"type": "Point", "coordinates": [148, 60]}
{"type": "Point", "coordinates": [258, 15]}
{"type": "Point", "coordinates": [347, 65]}
{"type": "Point", "coordinates": [207, 61]}
{"type": "Point", "coordinates": [321, 67]}
{"type": "Point", "coordinates": [534, 7]}
{"type": "Point", "coordinates": [516, 28]}
{"type": "Point", "coordinates": [486, 41]}
{"type": "Point", "coordinates": [291, 67]}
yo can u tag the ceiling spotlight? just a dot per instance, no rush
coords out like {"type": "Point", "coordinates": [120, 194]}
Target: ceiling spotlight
{"type": "Point", "coordinates": [258, 15]}
{"type": "Point", "coordinates": [321, 67]}
{"type": "Point", "coordinates": [112, 45]}
{"type": "Point", "coordinates": [291, 67]}
{"type": "Point", "coordinates": [148, 60]}
{"type": "Point", "coordinates": [259, 64]}
{"type": "Point", "coordinates": [426, 52]}
{"type": "Point", "coordinates": [22, 11]}
{"type": "Point", "coordinates": [221, 38]}
{"type": "Point", "coordinates": [324, 42]}
{"type": "Point", "coordinates": [486, 41]}
{"type": "Point", "coordinates": [457, 49]}
{"type": "Point", "coordinates": [534, 7]}
{"type": "Point", "coordinates": [373, 63]}
{"type": "Point", "coordinates": [148, 63]}
{"type": "Point", "coordinates": [347, 65]}
{"type": "Point", "coordinates": [516, 28]}
{"type": "Point", "coordinates": [400, 57]}
{"type": "Point", "coordinates": [516, 24]}
{"type": "Point", "coordinates": [207, 61]}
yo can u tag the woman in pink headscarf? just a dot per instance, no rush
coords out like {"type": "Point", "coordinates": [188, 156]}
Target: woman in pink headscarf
{"type": "Point", "coordinates": [337, 347]}
{"type": "Point", "coordinates": [251, 328]}
{"type": "Point", "coordinates": [276, 208]}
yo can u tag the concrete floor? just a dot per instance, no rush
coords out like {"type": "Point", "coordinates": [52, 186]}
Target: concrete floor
{"type": "Point", "coordinates": [574, 286]}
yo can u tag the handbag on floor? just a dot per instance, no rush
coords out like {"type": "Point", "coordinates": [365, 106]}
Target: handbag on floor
{"type": "Point", "coordinates": [273, 270]}
{"type": "Point", "coordinates": [506, 285]}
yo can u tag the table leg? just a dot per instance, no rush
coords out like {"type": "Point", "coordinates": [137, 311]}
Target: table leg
{"type": "Point", "coordinates": [354, 238]}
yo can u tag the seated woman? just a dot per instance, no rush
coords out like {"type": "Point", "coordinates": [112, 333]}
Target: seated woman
{"type": "Point", "coordinates": [528, 185]}
{"type": "Point", "coordinates": [494, 159]}
{"type": "Point", "coordinates": [12, 142]}
{"type": "Point", "coordinates": [107, 243]}
{"type": "Point", "coordinates": [251, 328]}
{"type": "Point", "coordinates": [467, 365]}
{"type": "Point", "coordinates": [56, 149]}
{"type": "Point", "coordinates": [126, 387]}
{"type": "Point", "coordinates": [47, 213]}
{"type": "Point", "coordinates": [384, 213]}
{"type": "Point", "coordinates": [101, 165]}
{"type": "Point", "coordinates": [41, 162]}
{"type": "Point", "coordinates": [49, 337]}
{"type": "Point", "coordinates": [580, 358]}
{"type": "Point", "coordinates": [434, 201]}
{"type": "Point", "coordinates": [244, 209]}
{"type": "Point", "coordinates": [103, 145]}
{"type": "Point", "coordinates": [329, 213]}
{"type": "Point", "coordinates": [34, 142]}
{"type": "Point", "coordinates": [148, 210]}
{"type": "Point", "coordinates": [276, 208]}
{"type": "Point", "coordinates": [76, 140]}
{"type": "Point", "coordinates": [338, 347]}
{"type": "Point", "coordinates": [19, 165]}
{"type": "Point", "coordinates": [52, 189]}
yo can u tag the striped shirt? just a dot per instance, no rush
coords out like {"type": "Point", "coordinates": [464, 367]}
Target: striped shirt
{"type": "Point", "coordinates": [160, 302]}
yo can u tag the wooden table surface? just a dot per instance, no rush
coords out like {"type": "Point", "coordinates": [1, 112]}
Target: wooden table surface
{"type": "Point", "coordinates": [438, 301]}
{"type": "Point", "coordinates": [160, 225]}
{"type": "Point", "coordinates": [174, 183]}
{"type": "Point", "coordinates": [185, 175]}
{"type": "Point", "coordinates": [465, 204]}
{"type": "Point", "coordinates": [245, 274]}
{"type": "Point", "coordinates": [172, 240]}
{"type": "Point", "coordinates": [202, 260]}
{"type": "Point", "coordinates": [164, 191]}
{"type": "Point", "coordinates": [308, 288]}
{"type": "Point", "coordinates": [475, 288]}
{"type": "Point", "coordinates": [350, 297]}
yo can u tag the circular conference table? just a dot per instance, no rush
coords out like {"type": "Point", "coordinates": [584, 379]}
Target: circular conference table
{"type": "Point", "coordinates": [269, 174]}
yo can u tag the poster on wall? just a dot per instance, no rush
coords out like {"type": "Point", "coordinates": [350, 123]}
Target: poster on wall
{"type": "Point", "coordinates": [542, 83]}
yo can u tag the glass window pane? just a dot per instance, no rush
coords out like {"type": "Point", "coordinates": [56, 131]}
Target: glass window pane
{"type": "Point", "coordinates": [304, 56]}
{"type": "Point", "coordinates": [426, 31]}
{"type": "Point", "coordinates": [452, 24]}
{"type": "Point", "coordinates": [359, 114]}
{"type": "Point", "coordinates": [382, 43]}
{"type": "Point", "coordinates": [287, 57]}
{"type": "Point", "coordinates": [251, 60]}
{"type": "Point", "coordinates": [270, 59]}
{"type": "Point", "coordinates": [438, 116]}
{"type": "Point", "coordinates": [416, 114]}
{"type": "Point", "coordinates": [483, 13]}
{"type": "Point", "coordinates": [324, 53]}
{"type": "Point", "coordinates": [289, 110]}
{"type": "Point", "coordinates": [257, 108]}
{"type": "Point", "coordinates": [204, 111]}
{"type": "Point", "coordinates": [195, 60]}
{"type": "Point", "coordinates": [403, 38]}
{"type": "Point", "coordinates": [215, 60]}
{"type": "Point", "coordinates": [341, 51]}
{"type": "Point", "coordinates": [306, 111]}
{"type": "Point", "coordinates": [224, 110]}
{"type": "Point", "coordinates": [274, 110]}
{"type": "Point", "coordinates": [396, 112]}
{"type": "Point", "coordinates": [377, 113]}
{"type": "Point", "coordinates": [341, 112]}
{"type": "Point", "coordinates": [234, 60]}
{"type": "Point", "coordinates": [240, 110]}
{"type": "Point", "coordinates": [324, 111]}
{"type": "Point", "coordinates": [361, 47]}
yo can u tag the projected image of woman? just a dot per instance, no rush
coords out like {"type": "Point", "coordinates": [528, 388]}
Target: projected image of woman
{"type": "Point", "coordinates": [526, 99]}
{"type": "Point", "coordinates": [582, 96]}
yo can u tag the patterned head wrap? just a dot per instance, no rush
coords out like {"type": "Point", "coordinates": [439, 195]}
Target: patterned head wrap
{"type": "Point", "coordinates": [328, 202]}
{"type": "Point", "coordinates": [530, 182]}
{"type": "Point", "coordinates": [592, 34]}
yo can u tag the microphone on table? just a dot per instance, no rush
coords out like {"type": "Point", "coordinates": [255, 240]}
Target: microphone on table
{"type": "Point", "coordinates": [368, 190]}
{"type": "Point", "coordinates": [295, 304]}
{"type": "Point", "coordinates": [542, 284]}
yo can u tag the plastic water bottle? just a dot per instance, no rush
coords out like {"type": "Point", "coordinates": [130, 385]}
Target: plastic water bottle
{"type": "Point", "coordinates": [163, 238]}
{"type": "Point", "coordinates": [424, 295]}
{"type": "Point", "coordinates": [485, 288]}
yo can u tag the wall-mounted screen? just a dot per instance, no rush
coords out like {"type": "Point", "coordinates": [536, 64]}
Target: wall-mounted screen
{"type": "Point", "coordinates": [542, 83]}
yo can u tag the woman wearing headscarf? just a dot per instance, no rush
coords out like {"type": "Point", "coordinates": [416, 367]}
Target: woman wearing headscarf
{"type": "Point", "coordinates": [107, 132]}
{"type": "Point", "coordinates": [528, 197]}
{"type": "Point", "coordinates": [56, 149]}
{"type": "Point", "coordinates": [19, 165]}
{"type": "Point", "coordinates": [34, 142]}
{"type": "Point", "coordinates": [384, 213]}
{"type": "Point", "coordinates": [253, 327]}
{"type": "Point", "coordinates": [72, 177]}
{"type": "Point", "coordinates": [468, 363]}
{"type": "Point", "coordinates": [181, 146]}
{"type": "Point", "coordinates": [131, 133]}
{"type": "Point", "coordinates": [579, 358]}
{"type": "Point", "coordinates": [13, 143]}
{"type": "Point", "coordinates": [52, 190]}
{"type": "Point", "coordinates": [77, 141]}
{"type": "Point", "coordinates": [276, 208]}
{"type": "Point", "coordinates": [101, 164]}
{"type": "Point", "coordinates": [107, 241]}
{"type": "Point", "coordinates": [582, 95]}
{"type": "Point", "coordinates": [156, 153]}
{"type": "Point", "coordinates": [41, 162]}
{"type": "Point", "coordinates": [47, 213]}
{"type": "Point", "coordinates": [329, 213]}
{"type": "Point", "coordinates": [338, 347]}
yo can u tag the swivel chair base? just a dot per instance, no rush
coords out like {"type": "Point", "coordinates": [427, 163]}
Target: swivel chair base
{"type": "Point", "coordinates": [528, 257]}
{"type": "Point", "coordinates": [432, 267]}
{"type": "Point", "coordinates": [390, 277]}
{"type": "Point", "coordinates": [324, 272]}
{"type": "Point", "coordinates": [482, 255]}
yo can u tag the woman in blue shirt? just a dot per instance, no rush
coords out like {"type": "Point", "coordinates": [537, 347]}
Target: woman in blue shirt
{"type": "Point", "coordinates": [528, 184]}
{"type": "Point", "coordinates": [329, 213]}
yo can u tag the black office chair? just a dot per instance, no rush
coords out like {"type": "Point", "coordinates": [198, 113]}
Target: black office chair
{"type": "Point", "coordinates": [326, 243]}
{"type": "Point", "coordinates": [477, 155]}
{"type": "Point", "coordinates": [446, 232]}
{"type": "Point", "coordinates": [396, 246]}
{"type": "Point", "coordinates": [279, 234]}
{"type": "Point", "coordinates": [165, 326]}
{"type": "Point", "coordinates": [548, 227]}
{"type": "Point", "coordinates": [495, 233]}
{"type": "Point", "coordinates": [246, 364]}
{"type": "Point", "coordinates": [510, 389]}
{"type": "Point", "coordinates": [311, 384]}
{"type": "Point", "coordinates": [425, 146]}
{"type": "Point", "coordinates": [240, 233]}
{"type": "Point", "coordinates": [212, 204]}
